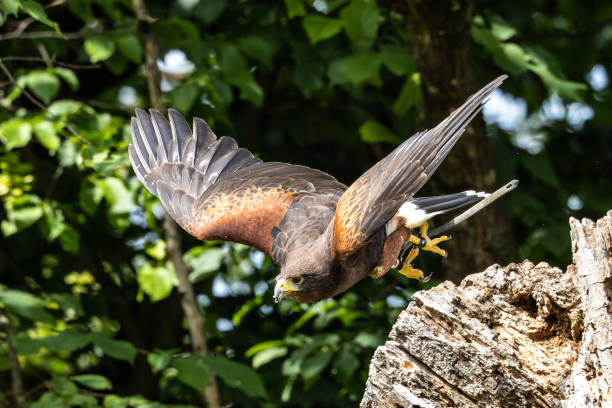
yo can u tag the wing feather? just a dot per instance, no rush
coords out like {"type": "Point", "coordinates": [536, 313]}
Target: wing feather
{"type": "Point", "coordinates": [218, 191]}
{"type": "Point", "coordinates": [375, 197]}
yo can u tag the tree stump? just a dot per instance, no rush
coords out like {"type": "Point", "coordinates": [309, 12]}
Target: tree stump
{"type": "Point", "coordinates": [522, 335]}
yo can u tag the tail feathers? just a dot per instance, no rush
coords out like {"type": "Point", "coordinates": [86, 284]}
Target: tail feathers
{"type": "Point", "coordinates": [178, 164]}
{"type": "Point", "coordinates": [418, 210]}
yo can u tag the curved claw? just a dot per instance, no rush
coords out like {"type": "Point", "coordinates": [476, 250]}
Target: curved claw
{"type": "Point", "coordinates": [427, 278]}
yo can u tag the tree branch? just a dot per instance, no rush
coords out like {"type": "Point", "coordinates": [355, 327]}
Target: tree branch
{"type": "Point", "coordinates": [188, 301]}
{"type": "Point", "coordinates": [17, 381]}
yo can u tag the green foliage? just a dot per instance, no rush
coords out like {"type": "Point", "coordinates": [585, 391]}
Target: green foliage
{"type": "Point", "coordinates": [86, 282]}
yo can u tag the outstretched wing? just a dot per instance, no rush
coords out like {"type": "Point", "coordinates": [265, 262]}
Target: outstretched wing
{"type": "Point", "coordinates": [375, 197]}
{"type": "Point", "coordinates": [216, 190]}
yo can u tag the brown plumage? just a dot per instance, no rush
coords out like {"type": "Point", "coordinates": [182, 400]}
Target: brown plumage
{"type": "Point", "coordinates": [324, 236]}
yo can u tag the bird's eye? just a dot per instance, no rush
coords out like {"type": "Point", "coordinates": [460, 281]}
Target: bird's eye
{"type": "Point", "coordinates": [297, 280]}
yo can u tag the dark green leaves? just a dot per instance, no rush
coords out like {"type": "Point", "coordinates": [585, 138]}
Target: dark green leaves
{"type": "Point", "coordinates": [237, 375]}
{"type": "Point", "coordinates": [361, 19]}
{"type": "Point", "coordinates": [119, 349]}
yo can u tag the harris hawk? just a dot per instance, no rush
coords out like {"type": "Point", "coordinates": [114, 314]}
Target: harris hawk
{"type": "Point", "coordinates": [325, 236]}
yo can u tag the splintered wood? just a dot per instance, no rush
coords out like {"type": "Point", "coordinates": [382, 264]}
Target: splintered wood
{"type": "Point", "coordinates": [523, 335]}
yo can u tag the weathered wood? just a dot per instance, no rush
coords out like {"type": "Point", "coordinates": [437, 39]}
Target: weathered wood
{"type": "Point", "coordinates": [523, 335]}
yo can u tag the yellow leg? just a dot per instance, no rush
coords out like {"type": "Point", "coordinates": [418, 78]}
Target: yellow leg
{"type": "Point", "coordinates": [407, 270]}
{"type": "Point", "coordinates": [431, 245]}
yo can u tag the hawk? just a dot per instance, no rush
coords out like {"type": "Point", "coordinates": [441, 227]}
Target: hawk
{"type": "Point", "coordinates": [324, 236]}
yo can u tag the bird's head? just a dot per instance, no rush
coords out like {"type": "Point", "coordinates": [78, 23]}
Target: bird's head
{"type": "Point", "coordinates": [305, 282]}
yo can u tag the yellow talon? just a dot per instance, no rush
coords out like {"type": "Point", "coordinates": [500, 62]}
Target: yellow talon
{"type": "Point", "coordinates": [431, 245]}
{"type": "Point", "coordinates": [407, 270]}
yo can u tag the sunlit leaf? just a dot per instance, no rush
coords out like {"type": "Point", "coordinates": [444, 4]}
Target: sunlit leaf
{"type": "Point", "coordinates": [47, 136]}
{"type": "Point", "coordinates": [203, 261]}
{"type": "Point", "coordinates": [15, 133]}
{"type": "Point", "coordinates": [93, 381]}
{"type": "Point", "coordinates": [410, 94]}
{"type": "Point", "coordinates": [99, 48]}
{"type": "Point", "coordinates": [265, 356]}
{"type": "Point", "coordinates": [69, 76]}
{"type": "Point", "coordinates": [374, 132]}
{"type": "Point", "coordinates": [320, 28]}
{"type": "Point", "coordinates": [295, 8]}
{"type": "Point", "coordinates": [36, 11]}
{"type": "Point", "coordinates": [68, 340]}
{"type": "Point", "coordinates": [26, 305]}
{"type": "Point", "coordinates": [43, 84]}
{"type": "Point", "coordinates": [157, 281]}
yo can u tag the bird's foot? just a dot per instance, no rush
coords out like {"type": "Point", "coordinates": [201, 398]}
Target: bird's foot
{"type": "Point", "coordinates": [410, 272]}
{"type": "Point", "coordinates": [427, 244]}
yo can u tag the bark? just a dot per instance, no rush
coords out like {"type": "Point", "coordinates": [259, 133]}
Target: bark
{"type": "Point", "coordinates": [443, 50]}
{"type": "Point", "coordinates": [16, 377]}
{"type": "Point", "coordinates": [188, 299]}
{"type": "Point", "coordinates": [523, 335]}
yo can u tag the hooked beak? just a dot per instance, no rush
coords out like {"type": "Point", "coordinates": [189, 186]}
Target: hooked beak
{"type": "Point", "coordinates": [283, 286]}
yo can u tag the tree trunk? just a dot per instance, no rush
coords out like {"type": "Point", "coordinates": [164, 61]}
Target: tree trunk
{"type": "Point", "coordinates": [443, 53]}
{"type": "Point", "coordinates": [523, 335]}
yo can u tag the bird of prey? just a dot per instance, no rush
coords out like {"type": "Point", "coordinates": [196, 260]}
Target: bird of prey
{"type": "Point", "coordinates": [324, 236]}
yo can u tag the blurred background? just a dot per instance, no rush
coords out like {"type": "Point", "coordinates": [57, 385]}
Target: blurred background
{"type": "Point", "coordinates": [90, 303]}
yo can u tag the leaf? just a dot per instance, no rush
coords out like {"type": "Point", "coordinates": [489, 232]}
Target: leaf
{"type": "Point", "coordinates": [313, 365]}
{"type": "Point", "coordinates": [99, 48]}
{"type": "Point", "coordinates": [130, 47]}
{"type": "Point", "coordinates": [157, 281]}
{"type": "Point", "coordinates": [93, 381]}
{"type": "Point", "coordinates": [119, 349]}
{"type": "Point", "coordinates": [210, 10]}
{"type": "Point", "coordinates": [191, 371]}
{"type": "Point", "coordinates": [64, 107]}
{"type": "Point", "coordinates": [90, 196]}
{"type": "Point", "coordinates": [184, 96]}
{"type": "Point", "coordinates": [320, 28]}
{"type": "Point", "coordinates": [69, 239]}
{"type": "Point", "coordinates": [26, 305]}
{"type": "Point", "coordinates": [64, 387]}
{"type": "Point", "coordinates": [262, 346]}
{"type": "Point", "coordinates": [10, 6]}
{"type": "Point", "coordinates": [361, 19]}
{"type": "Point", "coordinates": [203, 261]}
{"type": "Point", "coordinates": [67, 340]}
{"type": "Point", "coordinates": [540, 168]}
{"type": "Point", "coordinates": [53, 224]}
{"type": "Point", "coordinates": [346, 363]}
{"type": "Point", "coordinates": [374, 132]}
{"type": "Point", "coordinates": [15, 133]}
{"type": "Point", "coordinates": [501, 29]}
{"type": "Point", "coordinates": [397, 59]}
{"type": "Point", "coordinates": [46, 135]}
{"type": "Point", "coordinates": [355, 69]}
{"type": "Point", "coordinates": [37, 12]}
{"type": "Point", "coordinates": [117, 195]}
{"type": "Point", "coordinates": [259, 48]}
{"type": "Point", "coordinates": [237, 375]}
{"type": "Point", "coordinates": [410, 94]}
{"type": "Point", "coordinates": [267, 355]}
{"type": "Point", "coordinates": [21, 218]}
{"type": "Point", "coordinates": [43, 84]}
{"type": "Point", "coordinates": [69, 76]}
{"type": "Point", "coordinates": [160, 359]}
{"type": "Point", "coordinates": [295, 8]}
